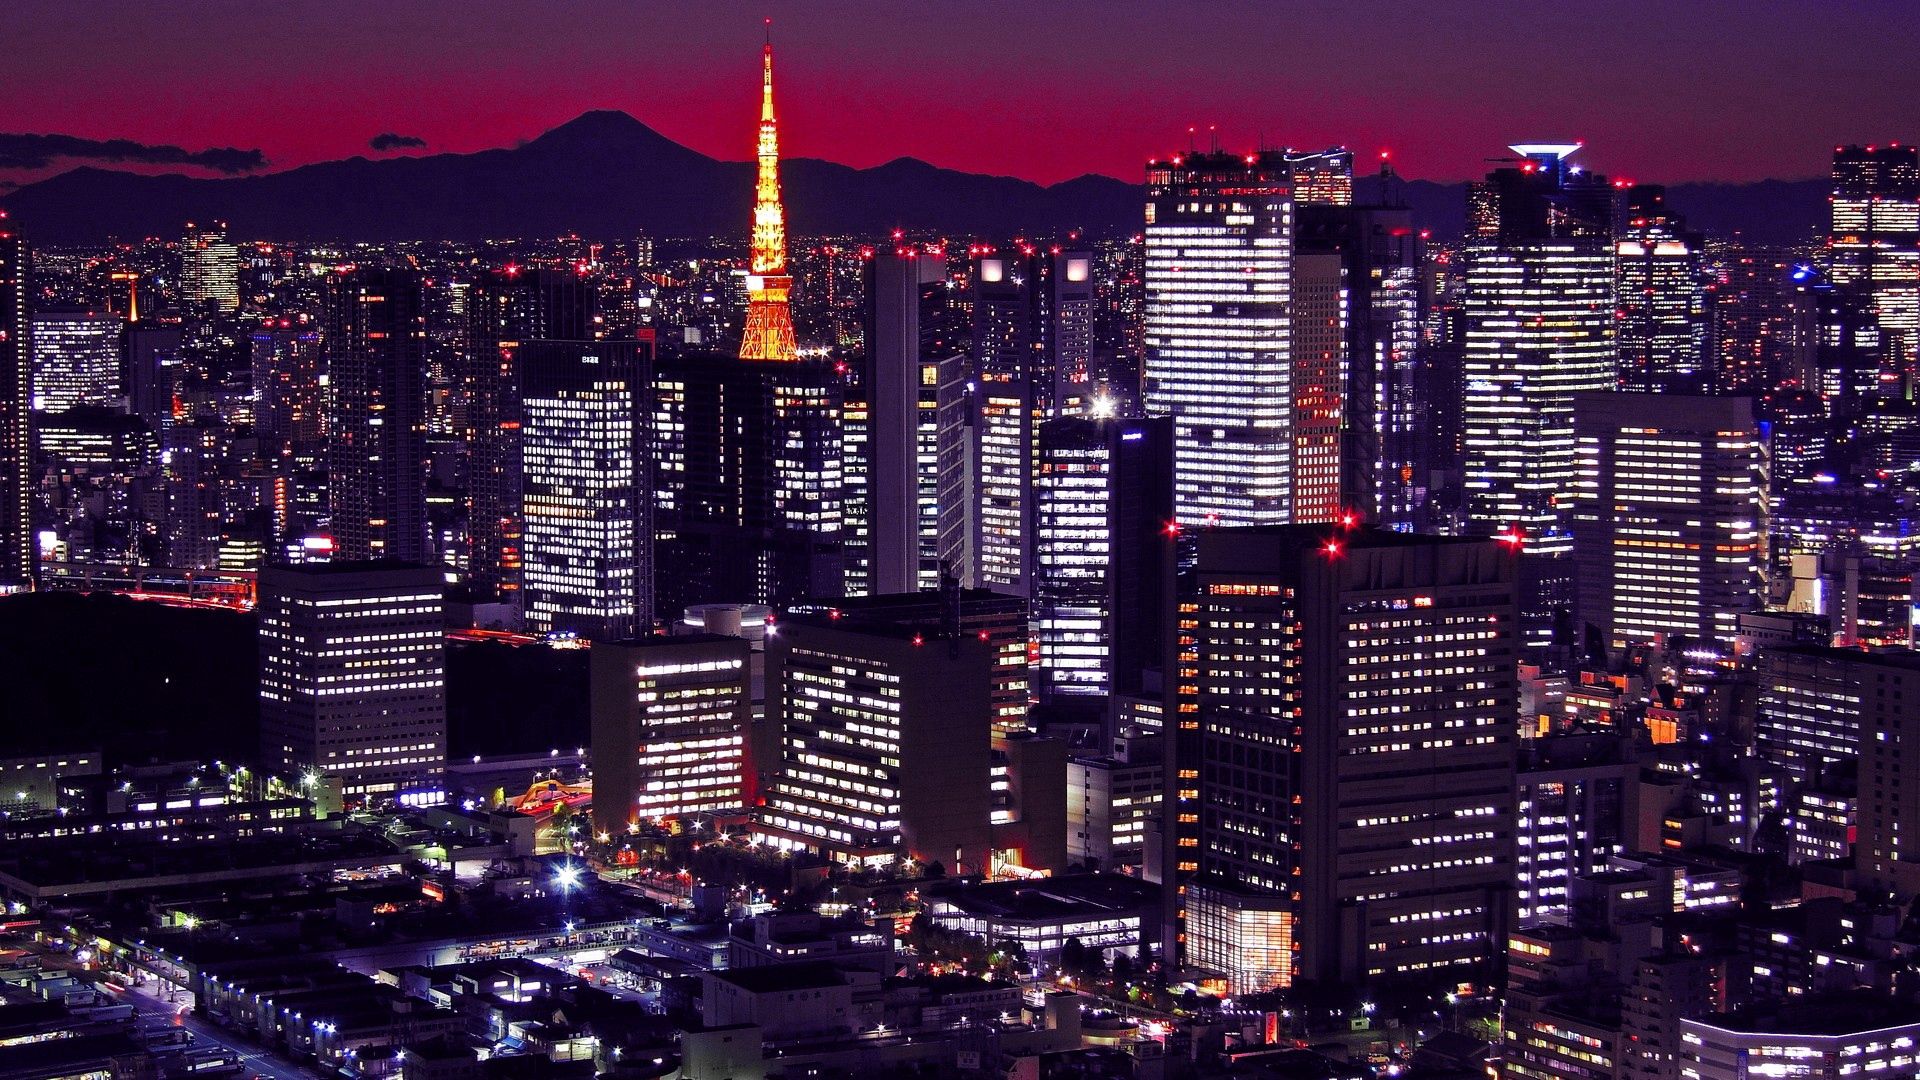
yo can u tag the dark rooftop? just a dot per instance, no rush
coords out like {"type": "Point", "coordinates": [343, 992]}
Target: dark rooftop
{"type": "Point", "coordinates": [780, 977]}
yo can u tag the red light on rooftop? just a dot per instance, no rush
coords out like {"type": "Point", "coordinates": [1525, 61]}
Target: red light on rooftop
{"type": "Point", "coordinates": [919, 640]}
{"type": "Point", "coordinates": [1348, 519]}
{"type": "Point", "coordinates": [1332, 548]}
{"type": "Point", "coordinates": [984, 635]}
{"type": "Point", "coordinates": [1171, 528]}
{"type": "Point", "coordinates": [898, 233]}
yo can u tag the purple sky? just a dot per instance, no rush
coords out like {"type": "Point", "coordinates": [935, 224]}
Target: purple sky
{"type": "Point", "coordinates": [1661, 90]}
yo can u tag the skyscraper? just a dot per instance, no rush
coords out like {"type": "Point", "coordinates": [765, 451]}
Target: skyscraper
{"type": "Point", "coordinates": [1219, 281]}
{"type": "Point", "coordinates": [1318, 395]}
{"type": "Point", "coordinates": [508, 307]}
{"type": "Point", "coordinates": [376, 427]}
{"type": "Point", "coordinates": [1874, 243]}
{"type": "Point", "coordinates": [1032, 349]}
{"type": "Point", "coordinates": [288, 390]}
{"type": "Point", "coordinates": [1669, 516]}
{"type": "Point", "coordinates": [17, 553]}
{"type": "Point", "coordinates": [1751, 309]}
{"type": "Point", "coordinates": [353, 678]}
{"type": "Point", "coordinates": [1662, 297]}
{"type": "Point", "coordinates": [587, 487]}
{"type": "Point", "coordinates": [914, 349]}
{"type": "Point", "coordinates": [1102, 581]}
{"type": "Point", "coordinates": [1351, 743]}
{"type": "Point", "coordinates": [769, 329]}
{"type": "Point", "coordinates": [209, 269]}
{"type": "Point", "coordinates": [1539, 327]}
{"type": "Point", "coordinates": [76, 359]}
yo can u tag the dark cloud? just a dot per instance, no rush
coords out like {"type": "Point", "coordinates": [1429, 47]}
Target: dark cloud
{"type": "Point", "coordinates": [387, 140]}
{"type": "Point", "coordinates": [39, 151]}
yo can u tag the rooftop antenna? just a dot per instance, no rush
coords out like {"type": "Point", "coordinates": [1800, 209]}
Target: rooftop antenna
{"type": "Point", "coordinates": [768, 22]}
{"type": "Point", "coordinates": [1192, 146]}
{"type": "Point", "coordinates": [1213, 136]}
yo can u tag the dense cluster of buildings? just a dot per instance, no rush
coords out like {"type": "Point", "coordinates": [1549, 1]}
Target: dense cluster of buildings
{"type": "Point", "coordinates": [1280, 602]}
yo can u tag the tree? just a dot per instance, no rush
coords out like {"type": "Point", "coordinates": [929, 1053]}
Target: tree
{"type": "Point", "coordinates": [936, 869]}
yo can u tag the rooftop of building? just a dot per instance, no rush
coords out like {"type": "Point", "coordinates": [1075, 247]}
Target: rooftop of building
{"type": "Point", "coordinates": [782, 978]}
{"type": "Point", "coordinates": [1905, 659]}
{"type": "Point", "coordinates": [50, 1056]}
{"type": "Point", "coordinates": [1045, 899]}
{"type": "Point", "coordinates": [1846, 1013]}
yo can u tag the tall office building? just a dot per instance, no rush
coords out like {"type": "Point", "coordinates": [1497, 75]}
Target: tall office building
{"type": "Point", "coordinates": [1751, 311]}
{"type": "Point", "coordinates": [747, 462]}
{"type": "Point", "coordinates": [154, 369]}
{"type": "Point", "coordinates": [377, 414]}
{"type": "Point", "coordinates": [913, 352]}
{"type": "Point", "coordinates": [1873, 245]}
{"type": "Point", "coordinates": [1032, 354]}
{"type": "Point", "coordinates": [1322, 177]}
{"type": "Point", "coordinates": [17, 544]}
{"type": "Point", "coordinates": [670, 718]}
{"type": "Point", "coordinates": [288, 391]}
{"type": "Point", "coordinates": [353, 678]}
{"type": "Point", "coordinates": [76, 359]}
{"type": "Point", "coordinates": [586, 487]}
{"type": "Point", "coordinates": [768, 334]}
{"type": "Point", "coordinates": [209, 269]}
{"type": "Point", "coordinates": [1219, 281]}
{"type": "Point", "coordinates": [1669, 516]}
{"type": "Point", "coordinates": [1384, 280]}
{"type": "Point", "coordinates": [1102, 575]}
{"type": "Point", "coordinates": [1538, 314]}
{"type": "Point", "coordinates": [1661, 289]}
{"type": "Point", "coordinates": [506, 308]}
{"type": "Point", "coordinates": [1318, 394]}
{"type": "Point", "coordinates": [1349, 743]}
{"type": "Point", "coordinates": [885, 745]}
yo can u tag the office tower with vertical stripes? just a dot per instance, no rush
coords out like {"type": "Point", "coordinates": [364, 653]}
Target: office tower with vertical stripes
{"type": "Point", "coordinates": [1873, 245]}
{"type": "Point", "coordinates": [17, 555]}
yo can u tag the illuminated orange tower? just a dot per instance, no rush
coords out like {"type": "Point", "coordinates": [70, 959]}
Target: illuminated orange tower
{"type": "Point", "coordinates": [769, 331]}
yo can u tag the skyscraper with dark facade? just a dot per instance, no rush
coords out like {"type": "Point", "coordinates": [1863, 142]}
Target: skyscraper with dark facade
{"type": "Point", "coordinates": [1102, 577]}
{"type": "Point", "coordinates": [1661, 291]}
{"type": "Point", "coordinates": [1350, 741]}
{"type": "Point", "coordinates": [377, 438]}
{"type": "Point", "coordinates": [16, 412]}
{"type": "Point", "coordinates": [747, 481]}
{"type": "Point", "coordinates": [506, 308]}
{"type": "Point", "coordinates": [1874, 243]}
{"type": "Point", "coordinates": [1383, 257]}
{"type": "Point", "coordinates": [586, 487]}
{"type": "Point", "coordinates": [1032, 354]}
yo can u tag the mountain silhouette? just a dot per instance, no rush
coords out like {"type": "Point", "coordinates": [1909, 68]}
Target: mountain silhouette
{"type": "Point", "coordinates": [606, 174]}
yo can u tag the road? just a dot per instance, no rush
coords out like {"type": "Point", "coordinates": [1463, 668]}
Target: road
{"type": "Point", "coordinates": [208, 1035]}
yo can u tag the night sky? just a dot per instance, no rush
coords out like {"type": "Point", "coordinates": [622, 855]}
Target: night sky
{"type": "Point", "coordinates": [1660, 90]}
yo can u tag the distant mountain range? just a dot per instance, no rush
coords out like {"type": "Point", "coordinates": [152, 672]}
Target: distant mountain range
{"type": "Point", "coordinates": [605, 174]}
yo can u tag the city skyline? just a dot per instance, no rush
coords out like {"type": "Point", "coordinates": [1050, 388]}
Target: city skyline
{"type": "Point", "coordinates": [1031, 97]}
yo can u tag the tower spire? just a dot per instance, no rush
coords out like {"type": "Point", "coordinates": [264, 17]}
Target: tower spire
{"type": "Point", "coordinates": [769, 331]}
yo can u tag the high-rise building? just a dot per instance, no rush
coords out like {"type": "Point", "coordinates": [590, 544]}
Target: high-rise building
{"type": "Point", "coordinates": [1318, 394]}
{"type": "Point", "coordinates": [1538, 313]}
{"type": "Point", "coordinates": [353, 678]}
{"type": "Point", "coordinates": [1669, 516]}
{"type": "Point", "coordinates": [768, 334]}
{"type": "Point", "coordinates": [209, 269]}
{"type": "Point", "coordinates": [913, 351]}
{"type": "Point", "coordinates": [76, 359]}
{"type": "Point", "coordinates": [1322, 177]}
{"type": "Point", "coordinates": [1751, 310]}
{"type": "Point", "coordinates": [1032, 353]}
{"type": "Point", "coordinates": [154, 368]}
{"type": "Point", "coordinates": [1661, 290]}
{"type": "Point", "coordinates": [1874, 243]}
{"type": "Point", "coordinates": [17, 544]}
{"type": "Point", "coordinates": [670, 719]}
{"type": "Point", "coordinates": [1219, 281]}
{"type": "Point", "coordinates": [1349, 748]}
{"type": "Point", "coordinates": [748, 485]}
{"type": "Point", "coordinates": [1382, 258]}
{"type": "Point", "coordinates": [506, 308]}
{"type": "Point", "coordinates": [376, 437]}
{"type": "Point", "coordinates": [287, 385]}
{"type": "Point", "coordinates": [1573, 812]}
{"type": "Point", "coordinates": [1102, 575]}
{"type": "Point", "coordinates": [885, 743]}
{"type": "Point", "coordinates": [586, 495]}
